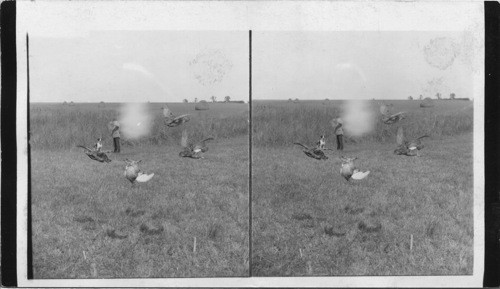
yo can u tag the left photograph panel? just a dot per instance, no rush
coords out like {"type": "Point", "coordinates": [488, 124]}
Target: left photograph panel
{"type": "Point", "coordinates": [139, 154]}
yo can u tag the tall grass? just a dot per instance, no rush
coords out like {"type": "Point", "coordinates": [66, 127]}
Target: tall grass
{"type": "Point", "coordinates": [58, 127]}
{"type": "Point", "coordinates": [278, 124]}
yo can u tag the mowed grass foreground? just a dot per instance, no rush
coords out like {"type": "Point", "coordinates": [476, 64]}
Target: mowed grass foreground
{"type": "Point", "coordinates": [309, 221]}
{"type": "Point", "coordinates": [190, 220]}
{"type": "Point", "coordinates": [410, 216]}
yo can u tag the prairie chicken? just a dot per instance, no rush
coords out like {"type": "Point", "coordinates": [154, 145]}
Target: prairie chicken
{"type": "Point", "coordinates": [314, 153]}
{"type": "Point", "coordinates": [171, 120]}
{"type": "Point", "coordinates": [194, 151]}
{"type": "Point", "coordinates": [95, 155]}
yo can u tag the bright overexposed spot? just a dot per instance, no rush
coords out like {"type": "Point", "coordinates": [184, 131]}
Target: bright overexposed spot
{"type": "Point", "coordinates": [358, 117]}
{"type": "Point", "coordinates": [134, 119]}
{"type": "Point", "coordinates": [357, 114]}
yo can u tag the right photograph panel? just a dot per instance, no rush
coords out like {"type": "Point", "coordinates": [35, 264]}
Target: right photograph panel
{"type": "Point", "coordinates": [362, 153]}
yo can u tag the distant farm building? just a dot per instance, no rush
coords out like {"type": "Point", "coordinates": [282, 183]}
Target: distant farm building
{"type": "Point", "coordinates": [202, 105]}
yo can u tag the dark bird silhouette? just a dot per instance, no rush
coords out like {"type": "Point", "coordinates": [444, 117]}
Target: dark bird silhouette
{"type": "Point", "coordinates": [408, 148]}
{"type": "Point", "coordinates": [314, 153]}
{"type": "Point", "coordinates": [194, 151]}
{"type": "Point", "coordinates": [389, 118]}
{"type": "Point", "coordinates": [171, 120]}
{"type": "Point", "coordinates": [95, 155]}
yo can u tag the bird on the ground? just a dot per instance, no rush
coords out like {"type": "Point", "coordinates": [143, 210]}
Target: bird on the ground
{"type": "Point", "coordinates": [347, 167]}
{"type": "Point", "coordinates": [314, 153]}
{"type": "Point", "coordinates": [131, 170]}
{"type": "Point", "coordinates": [348, 170]}
{"type": "Point", "coordinates": [134, 174]}
{"type": "Point", "coordinates": [171, 120]}
{"type": "Point", "coordinates": [408, 148]}
{"type": "Point", "coordinates": [95, 155]}
{"type": "Point", "coordinates": [195, 150]}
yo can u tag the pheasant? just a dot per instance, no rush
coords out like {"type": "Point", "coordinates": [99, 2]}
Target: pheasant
{"type": "Point", "coordinates": [171, 120]}
{"type": "Point", "coordinates": [389, 118]}
{"type": "Point", "coordinates": [95, 155]}
{"type": "Point", "coordinates": [194, 151]}
{"type": "Point", "coordinates": [314, 153]}
{"type": "Point", "coordinates": [348, 171]}
{"type": "Point", "coordinates": [408, 148]}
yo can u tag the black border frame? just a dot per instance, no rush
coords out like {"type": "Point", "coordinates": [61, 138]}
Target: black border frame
{"type": "Point", "coordinates": [9, 148]}
{"type": "Point", "coordinates": [9, 143]}
{"type": "Point", "coordinates": [491, 144]}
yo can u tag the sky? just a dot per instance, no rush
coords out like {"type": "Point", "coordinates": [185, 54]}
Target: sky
{"type": "Point", "coordinates": [360, 65]}
{"type": "Point", "coordinates": [170, 66]}
{"type": "Point", "coordinates": [139, 66]}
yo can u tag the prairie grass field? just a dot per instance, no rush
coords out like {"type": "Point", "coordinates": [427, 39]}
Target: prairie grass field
{"type": "Point", "coordinates": [190, 220]}
{"type": "Point", "coordinates": [56, 126]}
{"type": "Point", "coordinates": [410, 216]}
{"type": "Point", "coordinates": [278, 123]}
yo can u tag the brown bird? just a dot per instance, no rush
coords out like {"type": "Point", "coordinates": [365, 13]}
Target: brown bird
{"type": "Point", "coordinates": [314, 153]}
{"type": "Point", "coordinates": [194, 151]}
{"type": "Point", "coordinates": [171, 120]}
{"type": "Point", "coordinates": [408, 148]}
{"type": "Point", "coordinates": [95, 155]}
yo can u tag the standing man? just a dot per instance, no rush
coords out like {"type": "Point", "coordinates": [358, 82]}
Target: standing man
{"type": "Point", "coordinates": [115, 133]}
{"type": "Point", "coordinates": [339, 132]}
